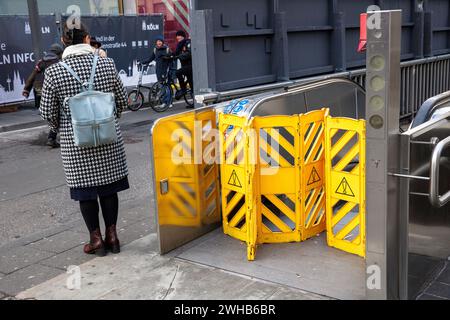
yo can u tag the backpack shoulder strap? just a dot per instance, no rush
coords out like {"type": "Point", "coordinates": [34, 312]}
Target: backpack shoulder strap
{"type": "Point", "coordinates": [73, 73]}
{"type": "Point", "coordinates": [68, 68]}
{"type": "Point", "coordinates": [94, 66]}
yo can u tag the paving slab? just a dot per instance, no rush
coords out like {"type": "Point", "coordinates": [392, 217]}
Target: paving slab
{"type": "Point", "coordinates": [416, 286]}
{"type": "Point", "coordinates": [286, 293]}
{"type": "Point", "coordinates": [140, 273]}
{"type": "Point", "coordinates": [60, 242]}
{"type": "Point", "coordinates": [14, 259]}
{"type": "Point", "coordinates": [128, 234]}
{"type": "Point", "coordinates": [444, 277]}
{"type": "Point", "coordinates": [25, 278]}
{"type": "Point", "coordinates": [311, 266]}
{"type": "Point", "coordinates": [439, 289]}
{"type": "Point", "coordinates": [430, 297]}
{"type": "Point", "coordinates": [23, 241]}
{"type": "Point", "coordinates": [72, 257]}
{"type": "Point", "coordinates": [423, 267]}
{"type": "Point", "coordinates": [80, 227]}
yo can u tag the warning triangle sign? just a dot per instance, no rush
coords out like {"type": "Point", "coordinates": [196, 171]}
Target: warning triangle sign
{"type": "Point", "coordinates": [344, 189]}
{"type": "Point", "coordinates": [314, 177]}
{"type": "Point", "coordinates": [234, 180]}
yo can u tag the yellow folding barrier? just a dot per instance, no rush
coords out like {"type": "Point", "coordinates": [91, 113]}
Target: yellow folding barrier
{"type": "Point", "coordinates": [345, 184]}
{"type": "Point", "coordinates": [289, 178]}
{"type": "Point", "coordinates": [312, 163]}
{"type": "Point", "coordinates": [237, 174]}
{"type": "Point", "coordinates": [188, 192]}
{"type": "Point", "coordinates": [278, 178]}
{"type": "Point", "coordinates": [207, 168]}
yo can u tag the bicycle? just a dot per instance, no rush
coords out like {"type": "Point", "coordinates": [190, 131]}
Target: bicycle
{"type": "Point", "coordinates": [163, 92]}
{"type": "Point", "coordinates": [136, 97]}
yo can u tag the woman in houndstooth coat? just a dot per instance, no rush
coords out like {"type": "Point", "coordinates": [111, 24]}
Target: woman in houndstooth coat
{"type": "Point", "coordinates": [95, 174]}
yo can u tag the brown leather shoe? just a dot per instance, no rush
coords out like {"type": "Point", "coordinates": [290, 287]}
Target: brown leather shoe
{"type": "Point", "coordinates": [96, 245]}
{"type": "Point", "coordinates": [111, 241]}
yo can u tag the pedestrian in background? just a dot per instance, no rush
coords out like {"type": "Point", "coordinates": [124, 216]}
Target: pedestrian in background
{"type": "Point", "coordinates": [36, 80]}
{"type": "Point", "coordinates": [95, 175]}
{"type": "Point", "coordinates": [183, 53]}
{"type": "Point", "coordinates": [162, 55]}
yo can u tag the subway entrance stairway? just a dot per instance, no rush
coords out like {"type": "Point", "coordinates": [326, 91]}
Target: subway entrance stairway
{"type": "Point", "coordinates": [323, 190]}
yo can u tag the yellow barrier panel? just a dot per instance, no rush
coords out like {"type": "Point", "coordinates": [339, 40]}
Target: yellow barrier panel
{"type": "Point", "coordinates": [237, 176]}
{"type": "Point", "coordinates": [312, 162]}
{"type": "Point", "coordinates": [289, 178]}
{"type": "Point", "coordinates": [187, 189]}
{"type": "Point", "coordinates": [208, 169]}
{"type": "Point", "coordinates": [278, 178]}
{"type": "Point", "coordinates": [345, 159]}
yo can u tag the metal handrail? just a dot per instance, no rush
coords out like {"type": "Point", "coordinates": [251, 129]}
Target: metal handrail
{"type": "Point", "coordinates": [437, 200]}
{"type": "Point", "coordinates": [429, 106]}
{"type": "Point", "coordinates": [296, 90]}
{"type": "Point", "coordinates": [216, 97]}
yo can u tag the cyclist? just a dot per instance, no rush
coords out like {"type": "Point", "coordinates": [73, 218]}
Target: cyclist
{"type": "Point", "coordinates": [183, 53]}
{"type": "Point", "coordinates": [161, 54]}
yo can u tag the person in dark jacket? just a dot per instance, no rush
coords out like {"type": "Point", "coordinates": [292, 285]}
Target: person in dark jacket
{"type": "Point", "coordinates": [36, 80]}
{"type": "Point", "coordinates": [183, 53]}
{"type": "Point", "coordinates": [161, 55]}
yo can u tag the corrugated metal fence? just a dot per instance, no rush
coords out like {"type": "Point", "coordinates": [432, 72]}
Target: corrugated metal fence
{"type": "Point", "coordinates": [420, 80]}
{"type": "Point", "coordinates": [250, 43]}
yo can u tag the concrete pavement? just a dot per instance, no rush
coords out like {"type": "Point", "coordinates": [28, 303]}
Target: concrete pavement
{"type": "Point", "coordinates": [140, 273]}
{"type": "Point", "coordinates": [24, 118]}
{"type": "Point", "coordinates": [41, 230]}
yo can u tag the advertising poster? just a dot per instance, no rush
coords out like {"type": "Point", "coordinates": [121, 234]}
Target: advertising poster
{"type": "Point", "coordinates": [17, 59]}
{"type": "Point", "coordinates": [127, 39]}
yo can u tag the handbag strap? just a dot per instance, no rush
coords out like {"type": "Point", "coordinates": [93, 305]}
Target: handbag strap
{"type": "Point", "coordinates": [90, 84]}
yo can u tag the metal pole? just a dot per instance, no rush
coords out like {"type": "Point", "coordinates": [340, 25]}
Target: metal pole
{"type": "Point", "coordinates": [35, 25]}
{"type": "Point", "coordinates": [383, 151]}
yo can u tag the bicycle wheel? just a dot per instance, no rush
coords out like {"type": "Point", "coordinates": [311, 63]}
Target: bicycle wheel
{"type": "Point", "coordinates": [189, 98]}
{"type": "Point", "coordinates": [160, 97]}
{"type": "Point", "coordinates": [135, 100]}
{"type": "Point", "coordinates": [154, 94]}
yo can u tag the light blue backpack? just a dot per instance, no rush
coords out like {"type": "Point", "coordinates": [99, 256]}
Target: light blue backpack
{"type": "Point", "coordinates": [93, 112]}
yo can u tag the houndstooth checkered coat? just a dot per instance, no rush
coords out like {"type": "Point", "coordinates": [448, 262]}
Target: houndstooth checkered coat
{"type": "Point", "coordinates": [84, 167]}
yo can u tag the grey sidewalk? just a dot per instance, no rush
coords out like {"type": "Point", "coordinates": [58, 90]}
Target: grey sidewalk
{"type": "Point", "coordinates": [33, 260]}
{"type": "Point", "coordinates": [140, 273]}
{"type": "Point", "coordinates": [42, 231]}
{"type": "Point", "coordinates": [22, 119]}
{"type": "Point", "coordinates": [27, 116]}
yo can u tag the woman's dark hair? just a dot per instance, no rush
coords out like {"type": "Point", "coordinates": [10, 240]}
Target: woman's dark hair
{"type": "Point", "coordinates": [72, 35]}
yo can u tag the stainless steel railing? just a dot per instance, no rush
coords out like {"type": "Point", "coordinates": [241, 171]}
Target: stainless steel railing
{"type": "Point", "coordinates": [420, 80]}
